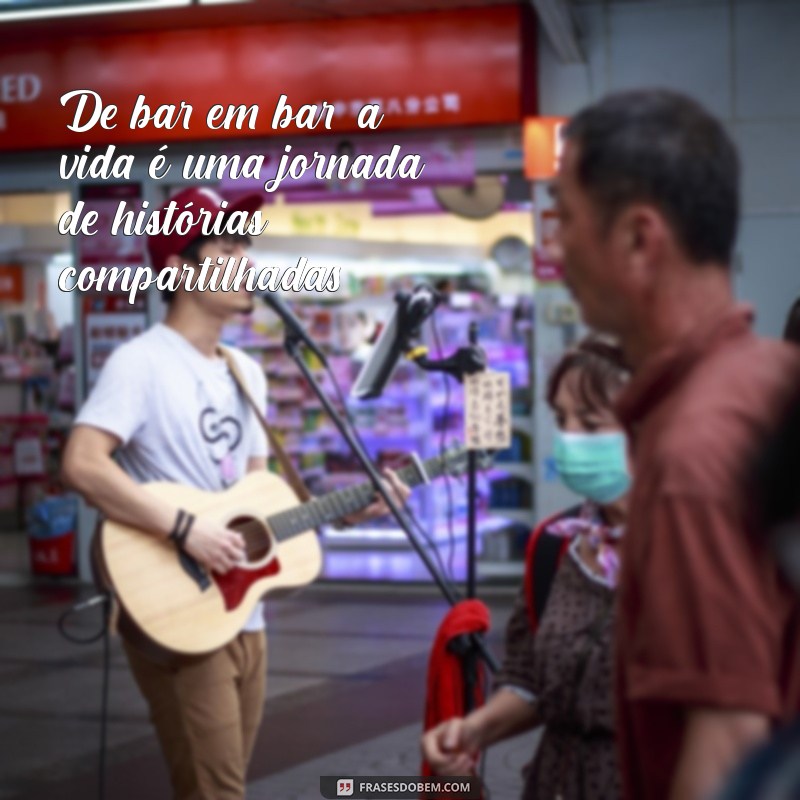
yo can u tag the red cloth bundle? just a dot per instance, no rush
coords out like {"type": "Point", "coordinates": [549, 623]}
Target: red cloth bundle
{"type": "Point", "coordinates": [446, 691]}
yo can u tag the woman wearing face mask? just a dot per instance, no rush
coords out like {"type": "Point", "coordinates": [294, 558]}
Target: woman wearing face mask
{"type": "Point", "coordinates": [557, 669]}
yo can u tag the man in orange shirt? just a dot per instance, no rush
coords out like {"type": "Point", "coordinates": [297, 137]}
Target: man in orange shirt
{"type": "Point", "coordinates": [707, 633]}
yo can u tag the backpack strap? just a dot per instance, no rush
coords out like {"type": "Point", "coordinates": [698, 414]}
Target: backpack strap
{"type": "Point", "coordinates": [543, 555]}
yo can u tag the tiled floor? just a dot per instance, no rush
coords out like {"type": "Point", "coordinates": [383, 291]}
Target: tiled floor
{"type": "Point", "coordinates": [345, 696]}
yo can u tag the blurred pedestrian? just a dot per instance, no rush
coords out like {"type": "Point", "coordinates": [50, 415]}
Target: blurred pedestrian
{"type": "Point", "coordinates": [707, 655]}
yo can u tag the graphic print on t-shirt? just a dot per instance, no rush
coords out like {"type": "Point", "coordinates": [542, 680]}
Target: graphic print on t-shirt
{"type": "Point", "coordinates": [223, 434]}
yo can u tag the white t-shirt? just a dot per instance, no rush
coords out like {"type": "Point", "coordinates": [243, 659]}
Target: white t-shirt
{"type": "Point", "coordinates": [179, 416]}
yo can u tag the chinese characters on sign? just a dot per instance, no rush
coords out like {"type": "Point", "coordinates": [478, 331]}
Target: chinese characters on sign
{"type": "Point", "coordinates": [488, 410]}
{"type": "Point", "coordinates": [411, 105]}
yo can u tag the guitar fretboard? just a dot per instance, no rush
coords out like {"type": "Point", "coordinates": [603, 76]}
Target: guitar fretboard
{"type": "Point", "coordinates": [335, 505]}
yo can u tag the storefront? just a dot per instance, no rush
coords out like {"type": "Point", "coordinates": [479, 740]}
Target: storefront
{"type": "Point", "coordinates": [453, 89]}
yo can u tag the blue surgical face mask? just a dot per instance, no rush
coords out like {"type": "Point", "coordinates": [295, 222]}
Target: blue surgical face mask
{"type": "Point", "coordinates": [593, 465]}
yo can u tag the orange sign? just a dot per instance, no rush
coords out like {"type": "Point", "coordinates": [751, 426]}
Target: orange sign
{"type": "Point", "coordinates": [424, 70]}
{"type": "Point", "coordinates": [542, 146]}
{"type": "Point", "coordinates": [12, 284]}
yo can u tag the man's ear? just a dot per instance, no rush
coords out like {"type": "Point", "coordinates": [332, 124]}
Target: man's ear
{"type": "Point", "coordinates": [176, 263]}
{"type": "Point", "coordinates": [641, 236]}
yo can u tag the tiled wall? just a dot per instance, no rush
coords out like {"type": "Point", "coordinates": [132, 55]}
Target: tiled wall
{"type": "Point", "coordinates": [741, 58]}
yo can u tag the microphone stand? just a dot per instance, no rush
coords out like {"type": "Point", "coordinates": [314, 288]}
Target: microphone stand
{"type": "Point", "coordinates": [465, 361]}
{"type": "Point", "coordinates": [291, 341]}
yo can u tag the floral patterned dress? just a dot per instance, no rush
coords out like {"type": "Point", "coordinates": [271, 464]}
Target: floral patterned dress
{"type": "Point", "coordinates": [565, 668]}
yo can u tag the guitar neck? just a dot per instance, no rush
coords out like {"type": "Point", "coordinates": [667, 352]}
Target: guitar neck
{"type": "Point", "coordinates": [341, 503]}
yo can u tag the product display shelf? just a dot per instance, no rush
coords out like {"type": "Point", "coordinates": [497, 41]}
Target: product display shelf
{"type": "Point", "coordinates": [388, 430]}
{"type": "Point", "coordinates": [410, 416]}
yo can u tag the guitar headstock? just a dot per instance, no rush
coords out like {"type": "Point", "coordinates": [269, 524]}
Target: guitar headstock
{"type": "Point", "coordinates": [456, 462]}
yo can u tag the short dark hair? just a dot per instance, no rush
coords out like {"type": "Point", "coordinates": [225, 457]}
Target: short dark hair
{"type": "Point", "coordinates": [791, 330]}
{"type": "Point", "coordinates": [602, 369]}
{"type": "Point", "coordinates": [661, 147]}
{"type": "Point", "coordinates": [191, 254]}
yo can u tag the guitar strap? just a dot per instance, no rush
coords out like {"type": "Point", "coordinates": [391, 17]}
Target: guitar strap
{"type": "Point", "coordinates": [287, 467]}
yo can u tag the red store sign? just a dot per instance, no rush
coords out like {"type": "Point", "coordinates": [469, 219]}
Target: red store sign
{"type": "Point", "coordinates": [12, 284]}
{"type": "Point", "coordinates": [425, 70]}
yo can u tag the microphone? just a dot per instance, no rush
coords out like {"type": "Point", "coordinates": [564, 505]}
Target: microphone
{"type": "Point", "coordinates": [412, 309]}
{"type": "Point", "coordinates": [292, 324]}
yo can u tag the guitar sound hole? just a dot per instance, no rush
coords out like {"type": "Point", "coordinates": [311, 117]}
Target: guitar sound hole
{"type": "Point", "coordinates": [256, 538]}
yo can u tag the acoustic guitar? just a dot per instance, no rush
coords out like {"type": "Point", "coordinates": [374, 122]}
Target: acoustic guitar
{"type": "Point", "coordinates": [181, 607]}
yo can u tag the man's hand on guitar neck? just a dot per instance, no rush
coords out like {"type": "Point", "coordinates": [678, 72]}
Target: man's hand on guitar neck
{"type": "Point", "coordinates": [216, 547]}
{"type": "Point", "coordinates": [399, 492]}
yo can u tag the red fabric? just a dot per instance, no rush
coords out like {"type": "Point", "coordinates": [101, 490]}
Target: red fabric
{"type": "Point", "coordinates": [445, 690]}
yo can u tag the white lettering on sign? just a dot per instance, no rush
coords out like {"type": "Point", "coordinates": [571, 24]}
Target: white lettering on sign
{"type": "Point", "coordinates": [23, 88]}
{"type": "Point", "coordinates": [445, 103]}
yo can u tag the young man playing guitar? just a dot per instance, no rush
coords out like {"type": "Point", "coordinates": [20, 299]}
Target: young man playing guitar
{"type": "Point", "coordinates": [167, 408]}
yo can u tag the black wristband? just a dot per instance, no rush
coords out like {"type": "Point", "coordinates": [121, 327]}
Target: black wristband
{"type": "Point", "coordinates": [182, 527]}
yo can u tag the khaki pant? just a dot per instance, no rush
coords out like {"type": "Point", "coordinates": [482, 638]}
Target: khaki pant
{"type": "Point", "coordinates": [206, 711]}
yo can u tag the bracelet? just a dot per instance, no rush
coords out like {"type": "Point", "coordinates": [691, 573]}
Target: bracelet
{"type": "Point", "coordinates": [181, 528]}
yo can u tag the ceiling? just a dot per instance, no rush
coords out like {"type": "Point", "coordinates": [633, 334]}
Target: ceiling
{"type": "Point", "coordinates": [236, 13]}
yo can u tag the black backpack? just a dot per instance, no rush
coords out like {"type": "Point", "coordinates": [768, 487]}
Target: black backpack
{"type": "Point", "coordinates": [543, 555]}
